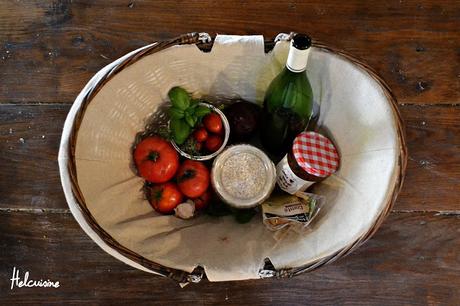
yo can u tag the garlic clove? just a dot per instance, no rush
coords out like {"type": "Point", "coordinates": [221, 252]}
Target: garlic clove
{"type": "Point", "coordinates": [185, 210]}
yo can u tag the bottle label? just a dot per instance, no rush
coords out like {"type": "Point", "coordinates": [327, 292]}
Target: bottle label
{"type": "Point", "coordinates": [287, 180]}
{"type": "Point", "coordinates": [297, 59]}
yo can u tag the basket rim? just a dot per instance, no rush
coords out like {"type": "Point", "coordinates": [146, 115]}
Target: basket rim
{"type": "Point", "coordinates": [204, 43]}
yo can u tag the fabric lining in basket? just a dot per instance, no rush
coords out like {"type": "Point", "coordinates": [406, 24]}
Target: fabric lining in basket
{"type": "Point", "coordinates": [95, 159]}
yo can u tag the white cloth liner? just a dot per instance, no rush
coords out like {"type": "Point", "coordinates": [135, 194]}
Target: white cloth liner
{"type": "Point", "coordinates": [354, 109]}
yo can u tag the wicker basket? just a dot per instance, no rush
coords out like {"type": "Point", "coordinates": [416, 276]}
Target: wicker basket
{"type": "Point", "coordinates": [106, 241]}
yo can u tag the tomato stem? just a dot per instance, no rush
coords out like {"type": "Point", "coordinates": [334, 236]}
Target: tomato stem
{"type": "Point", "coordinates": [158, 194]}
{"type": "Point", "coordinates": [153, 156]}
{"type": "Point", "coordinates": [188, 174]}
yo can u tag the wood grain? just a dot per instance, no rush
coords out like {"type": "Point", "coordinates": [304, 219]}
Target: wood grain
{"type": "Point", "coordinates": [413, 259]}
{"type": "Point", "coordinates": [50, 49]}
{"type": "Point", "coordinates": [29, 144]}
{"type": "Point", "coordinates": [433, 172]}
{"type": "Point", "coordinates": [30, 174]}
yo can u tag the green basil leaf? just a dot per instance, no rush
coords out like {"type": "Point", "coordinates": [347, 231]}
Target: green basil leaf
{"type": "Point", "coordinates": [180, 130]}
{"type": "Point", "coordinates": [175, 113]}
{"type": "Point", "coordinates": [191, 110]}
{"type": "Point", "coordinates": [191, 120]}
{"type": "Point", "coordinates": [194, 102]}
{"type": "Point", "coordinates": [179, 98]}
{"type": "Point", "coordinates": [202, 111]}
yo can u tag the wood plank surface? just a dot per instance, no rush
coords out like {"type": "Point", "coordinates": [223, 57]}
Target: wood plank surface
{"type": "Point", "coordinates": [433, 170]}
{"type": "Point", "coordinates": [29, 144]}
{"type": "Point", "coordinates": [30, 174]}
{"type": "Point", "coordinates": [50, 49]}
{"type": "Point", "coordinates": [412, 260]}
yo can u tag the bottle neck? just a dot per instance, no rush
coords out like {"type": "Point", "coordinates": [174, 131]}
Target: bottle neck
{"type": "Point", "coordinates": [297, 59]}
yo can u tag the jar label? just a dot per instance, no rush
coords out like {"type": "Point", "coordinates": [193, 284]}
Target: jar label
{"type": "Point", "coordinates": [287, 180]}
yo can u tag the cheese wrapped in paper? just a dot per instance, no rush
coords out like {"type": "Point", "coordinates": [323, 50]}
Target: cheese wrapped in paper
{"type": "Point", "coordinates": [296, 210]}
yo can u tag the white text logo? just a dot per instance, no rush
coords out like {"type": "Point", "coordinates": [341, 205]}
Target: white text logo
{"type": "Point", "coordinates": [26, 282]}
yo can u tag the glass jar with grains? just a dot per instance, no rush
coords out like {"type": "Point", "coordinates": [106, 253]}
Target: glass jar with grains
{"type": "Point", "coordinates": [243, 176]}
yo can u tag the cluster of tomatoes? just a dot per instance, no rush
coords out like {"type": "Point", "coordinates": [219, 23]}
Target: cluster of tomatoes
{"type": "Point", "coordinates": [170, 182]}
{"type": "Point", "coordinates": [209, 134]}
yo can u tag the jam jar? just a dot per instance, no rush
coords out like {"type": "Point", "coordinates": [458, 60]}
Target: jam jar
{"type": "Point", "coordinates": [313, 158]}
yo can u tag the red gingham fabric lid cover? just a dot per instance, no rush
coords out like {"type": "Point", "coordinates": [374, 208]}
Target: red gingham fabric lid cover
{"type": "Point", "coordinates": [315, 154]}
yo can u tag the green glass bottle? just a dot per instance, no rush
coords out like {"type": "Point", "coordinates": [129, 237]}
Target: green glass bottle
{"type": "Point", "coordinates": [288, 102]}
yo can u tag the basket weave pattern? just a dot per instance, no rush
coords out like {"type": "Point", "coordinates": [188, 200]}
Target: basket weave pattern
{"type": "Point", "coordinates": [202, 40]}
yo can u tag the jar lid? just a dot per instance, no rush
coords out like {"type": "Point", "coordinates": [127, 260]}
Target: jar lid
{"type": "Point", "coordinates": [315, 154]}
{"type": "Point", "coordinates": [243, 176]}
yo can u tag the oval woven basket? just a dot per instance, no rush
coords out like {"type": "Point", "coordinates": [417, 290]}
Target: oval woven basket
{"type": "Point", "coordinates": [68, 167]}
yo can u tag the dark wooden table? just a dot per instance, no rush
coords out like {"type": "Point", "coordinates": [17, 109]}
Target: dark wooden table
{"type": "Point", "coordinates": [50, 49]}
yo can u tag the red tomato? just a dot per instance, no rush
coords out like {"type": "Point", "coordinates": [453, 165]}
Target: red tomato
{"type": "Point", "coordinates": [213, 123]}
{"type": "Point", "coordinates": [200, 134]}
{"type": "Point", "coordinates": [203, 200]}
{"type": "Point", "coordinates": [213, 143]}
{"type": "Point", "coordinates": [193, 178]}
{"type": "Point", "coordinates": [165, 197]}
{"type": "Point", "coordinates": [156, 159]}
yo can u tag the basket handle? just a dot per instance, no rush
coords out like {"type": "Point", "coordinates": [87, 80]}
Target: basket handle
{"type": "Point", "coordinates": [194, 38]}
{"type": "Point", "coordinates": [204, 41]}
